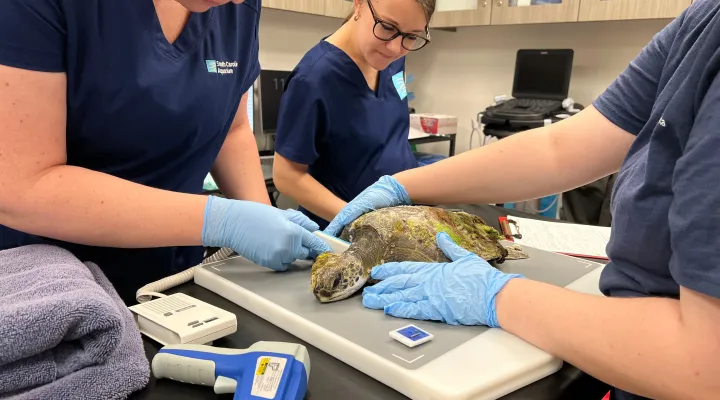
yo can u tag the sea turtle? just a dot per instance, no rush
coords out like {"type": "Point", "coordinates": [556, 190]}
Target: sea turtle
{"type": "Point", "coordinates": [403, 233]}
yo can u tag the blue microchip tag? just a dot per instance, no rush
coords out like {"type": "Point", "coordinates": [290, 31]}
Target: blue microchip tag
{"type": "Point", "coordinates": [413, 333]}
{"type": "Point", "coordinates": [399, 82]}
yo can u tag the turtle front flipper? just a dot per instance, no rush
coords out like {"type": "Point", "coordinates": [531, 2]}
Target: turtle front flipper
{"type": "Point", "coordinates": [371, 282]}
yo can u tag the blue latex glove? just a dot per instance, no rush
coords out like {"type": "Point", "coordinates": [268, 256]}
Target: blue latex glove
{"type": "Point", "coordinates": [302, 220]}
{"type": "Point", "coordinates": [264, 235]}
{"type": "Point", "coordinates": [461, 292]}
{"type": "Point", "coordinates": [386, 192]}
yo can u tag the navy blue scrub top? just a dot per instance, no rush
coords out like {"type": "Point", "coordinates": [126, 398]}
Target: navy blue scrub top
{"type": "Point", "coordinates": [666, 197]}
{"type": "Point", "coordinates": [348, 134]}
{"type": "Point", "coordinates": [138, 107]}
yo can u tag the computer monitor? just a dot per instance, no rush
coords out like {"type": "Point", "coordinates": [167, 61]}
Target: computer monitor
{"type": "Point", "coordinates": [543, 74]}
{"type": "Point", "coordinates": [271, 86]}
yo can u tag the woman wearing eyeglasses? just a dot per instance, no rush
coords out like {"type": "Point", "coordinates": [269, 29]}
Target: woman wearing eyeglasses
{"type": "Point", "coordinates": [344, 118]}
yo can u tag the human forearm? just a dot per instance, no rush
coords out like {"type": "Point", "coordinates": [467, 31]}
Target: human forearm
{"type": "Point", "coordinates": [506, 171]}
{"type": "Point", "coordinates": [644, 346]}
{"type": "Point", "coordinates": [237, 170]}
{"type": "Point", "coordinates": [313, 196]}
{"type": "Point", "coordinates": [87, 207]}
{"type": "Point", "coordinates": [309, 193]}
{"type": "Point", "coordinates": [529, 165]}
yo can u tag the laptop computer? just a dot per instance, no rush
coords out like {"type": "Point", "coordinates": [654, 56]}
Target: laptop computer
{"type": "Point", "coordinates": [542, 82]}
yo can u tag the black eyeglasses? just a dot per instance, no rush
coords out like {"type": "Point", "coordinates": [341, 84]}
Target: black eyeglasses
{"type": "Point", "coordinates": [386, 32]}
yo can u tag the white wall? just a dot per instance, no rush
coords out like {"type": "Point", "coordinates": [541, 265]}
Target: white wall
{"type": "Point", "coordinates": [461, 72]}
{"type": "Point", "coordinates": [286, 36]}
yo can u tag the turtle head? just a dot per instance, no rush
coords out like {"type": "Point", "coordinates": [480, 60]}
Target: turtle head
{"type": "Point", "coordinates": [336, 276]}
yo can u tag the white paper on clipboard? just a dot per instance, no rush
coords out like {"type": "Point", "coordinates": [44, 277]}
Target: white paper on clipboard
{"type": "Point", "coordinates": [572, 239]}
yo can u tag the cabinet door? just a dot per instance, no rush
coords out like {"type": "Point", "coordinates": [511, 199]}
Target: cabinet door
{"type": "Point", "coordinates": [506, 12]}
{"type": "Point", "coordinates": [338, 8]}
{"type": "Point", "coordinates": [304, 6]}
{"type": "Point", "coordinates": [456, 13]}
{"type": "Point", "coordinates": [604, 10]}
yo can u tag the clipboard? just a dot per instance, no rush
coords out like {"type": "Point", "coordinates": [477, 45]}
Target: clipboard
{"type": "Point", "coordinates": [506, 228]}
{"type": "Point", "coordinates": [576, 240]}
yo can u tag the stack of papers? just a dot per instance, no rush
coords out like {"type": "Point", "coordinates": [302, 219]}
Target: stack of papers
{"type": "Point", "coordinates": [417, 133]}
{"type": "Point", "coordinates": [570, 239]}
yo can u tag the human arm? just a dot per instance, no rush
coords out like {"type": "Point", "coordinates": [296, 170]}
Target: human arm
{"type": "Point", "coordinates": [657, 347]}
{"type": "Point", "coordinates": [292, 179]}
{"type": "Point", "coordinates": [44, 196]}
{"type": "Point", "coordinates": [40, 194]}
{"type": "Point", "coordinates": [654, 347]}
{"type": "Point", "coordinates": [533, 164]}
{"type": "Point", "coordinates": [237, 170]}
{"type": "Point", "coordinates": [527, 165]}
{"type": "Point", "coordinates": [554, 158]}
{"type": "Point", "coordinates": [301, 139]}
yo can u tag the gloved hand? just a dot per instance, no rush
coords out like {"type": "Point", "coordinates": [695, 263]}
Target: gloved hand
{"type": "Point", "coordinates": [386, 192]}
{"type": "Point", "coordinates": [302, 220]}
{"type": "Point", "coordinates": [461, 292]}
{"type": "Point", "coordinates": [263, 234]}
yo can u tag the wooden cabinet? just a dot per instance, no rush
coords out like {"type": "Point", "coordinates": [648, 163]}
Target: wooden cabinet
{"type": "Point", "coordinates": [316, 7]}
{"type": "Point", "coordinates": [461, 13]}
{"type": "Point", "coordinates": [451, 14]}
{"type": "Point", "coordinates": [338, 8]}
{"type": "Point", "coordinates": [507, 12]}
{"type": "Point", "coordinates": [610, 10]}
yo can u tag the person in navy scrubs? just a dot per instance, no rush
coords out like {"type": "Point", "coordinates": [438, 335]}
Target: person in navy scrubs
{"type": "Point", "coordinates": [656, 332]}
{"type": "Point", "coordinates": [112, 113]}
{"type": "Point", "coordinates": [344, 118]}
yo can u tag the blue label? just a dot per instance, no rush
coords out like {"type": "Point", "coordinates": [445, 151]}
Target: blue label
{"type": "Point", "coordinates": [211, 66]}
{"type": "Point", "coordinates": [399, 82]}
{"type": "Point", "coordinates": [413, 333]}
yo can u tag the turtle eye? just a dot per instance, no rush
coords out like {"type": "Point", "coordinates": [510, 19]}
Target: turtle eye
{"type": "Point", "coordinates": [338, 278]}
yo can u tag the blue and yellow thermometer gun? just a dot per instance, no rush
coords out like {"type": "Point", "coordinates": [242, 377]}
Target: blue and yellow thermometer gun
{"type": "Point", "coordinates": [265, 370]}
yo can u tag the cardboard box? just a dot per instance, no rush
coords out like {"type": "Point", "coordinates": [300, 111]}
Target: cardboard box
{"type": "Point", "coordinates": [434, 124]}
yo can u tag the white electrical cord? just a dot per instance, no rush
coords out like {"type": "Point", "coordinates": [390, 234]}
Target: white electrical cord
{"type": "Point", "coordinates": [546, 209]}
{"type": "Point", "coordinates": [472, 133]}
{"type": "Point", "coordinates": [147, 292]}
{"type": "Point", "coordinates": [476, 128]}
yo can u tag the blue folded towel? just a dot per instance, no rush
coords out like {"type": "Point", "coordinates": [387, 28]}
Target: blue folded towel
{"type": "Point", "coordinates": [64, 332]}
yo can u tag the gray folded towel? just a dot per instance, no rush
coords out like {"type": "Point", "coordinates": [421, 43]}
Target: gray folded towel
{"type": "Point", "coordinates": [64, 332]}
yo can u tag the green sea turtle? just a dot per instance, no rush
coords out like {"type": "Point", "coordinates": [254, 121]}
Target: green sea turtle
{"type": "Point", "coordinates": [403, 233]}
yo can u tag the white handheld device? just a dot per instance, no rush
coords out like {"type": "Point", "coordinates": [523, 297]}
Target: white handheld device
{"type": "Point", "coordinates": [179, 319]}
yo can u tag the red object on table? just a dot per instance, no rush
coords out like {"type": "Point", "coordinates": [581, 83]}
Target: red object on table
{"type": "Point", "coordinates": [429, 125]}
{"type": "Point", "coordinates": [505, 228]}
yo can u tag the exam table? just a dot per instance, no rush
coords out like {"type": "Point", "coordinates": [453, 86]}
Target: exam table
{"type": "Point", "coordinates": [330, 378]}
